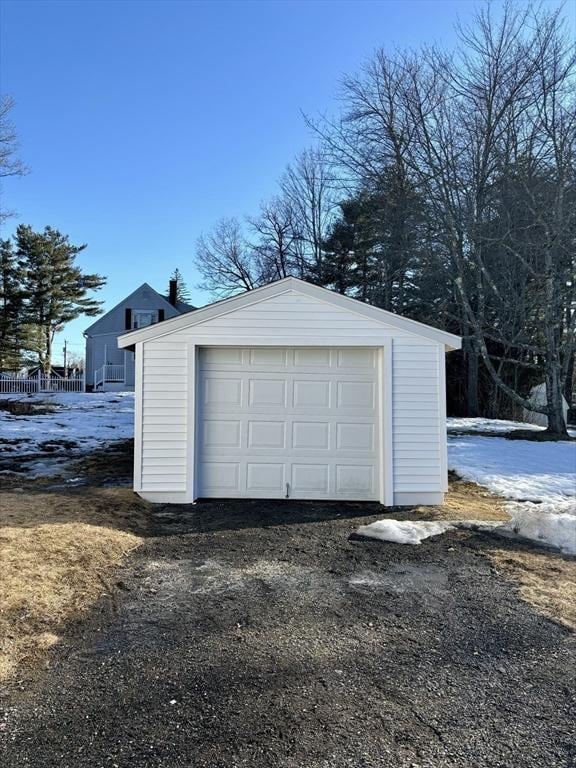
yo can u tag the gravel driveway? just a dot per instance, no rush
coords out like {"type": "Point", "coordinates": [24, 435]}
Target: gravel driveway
{"type": "Point", "coordinates": [260, 635]}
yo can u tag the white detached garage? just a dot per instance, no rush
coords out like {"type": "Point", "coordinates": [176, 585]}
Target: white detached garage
{"type": "Point", "coordinates": [290, 391]}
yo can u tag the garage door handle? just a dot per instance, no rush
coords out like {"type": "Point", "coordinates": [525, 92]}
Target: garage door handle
{"type": "Point", "coordinates": [287, 491]}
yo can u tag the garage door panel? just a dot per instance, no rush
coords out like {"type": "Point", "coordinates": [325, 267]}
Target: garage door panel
{"type": "Point", "coordinates": [356, 359]}
{"type": "Point", "coordinates": [311, 434]}
{"type": "Point", "coordinates": [266, 356]}
{"type": "Point", "coordinates": [221, 475]}
{"type": "Point", "coordinates": [310, 478]}
{"type": "Point", "coordinates": [267, 392]}
{"type": "Point", "coordinates": [264, 476]}
{"type": "Point", "coordinates": [312, 358]}
{"type": "Point", "coordinates": [311, 394]}
{"type": "Point", "coordinates": [221, 433]}
{"type": "Point", "coordinates": [222, 392]}
{"type": "Point", "coordinates": [355, 437]}
{"type": "Point", "coordinates": [266, 434]}
{"type": "Point", "coordinates": [221, 356]}
{"type": "Point", "coordinates": [356, 394]}
{"type": "Point", "coordinates": [301, 421]}
{"type": "Point", "coordinates": [354, 479]}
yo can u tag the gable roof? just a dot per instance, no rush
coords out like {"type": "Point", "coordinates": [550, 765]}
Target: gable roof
{"type": "Point", "coordinates": [276, 288]}
{"type": "Point", "coordinates": [180, 307]}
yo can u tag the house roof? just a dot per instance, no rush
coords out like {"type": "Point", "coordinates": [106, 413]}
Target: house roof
{"type": "Point", "coordinates": [283, 286]}
{"type": "Point", "coordinates": [180, 306]}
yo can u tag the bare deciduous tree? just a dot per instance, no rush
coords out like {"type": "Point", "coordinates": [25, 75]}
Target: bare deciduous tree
{"type": "Point", "coordinates": [457, 126]}
{"type": "Point", "coordinates": [277, 242]}
{"type": "Point", "coordinates": [225, 261]}
{"type": "Point", "coordinates": [10, 164]}
{"type": "Point", "coordinates": [309, 190]}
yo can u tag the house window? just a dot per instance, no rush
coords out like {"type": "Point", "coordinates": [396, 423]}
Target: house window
{"type": "Point", "coordinates": [143, 317]}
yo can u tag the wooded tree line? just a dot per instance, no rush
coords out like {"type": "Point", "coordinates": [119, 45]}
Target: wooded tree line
{"type": "Point", "coordinates": [444, 190]}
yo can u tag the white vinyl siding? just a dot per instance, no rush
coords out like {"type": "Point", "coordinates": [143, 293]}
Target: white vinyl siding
{"type": "Point", "coordinates": [302, 318]}
{"type": "Point", "coordinates": [164, 437]}
{"type": "Point", "coordinates": [418, 439]}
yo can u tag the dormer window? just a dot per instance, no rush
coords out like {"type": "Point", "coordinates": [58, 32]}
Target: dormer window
{"type": "Point", "coordinates": [144, 317]}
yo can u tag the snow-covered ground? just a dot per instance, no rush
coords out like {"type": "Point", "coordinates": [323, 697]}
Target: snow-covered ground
{"type": "Point", "coordinates": [492, 425]}
{"type": "Point", "coordinates": [466, 424]}
{"type": "Point", "coordinates": [538, 479]}
{"type": "Point", "coordinates": [522, 470]}
{"type": "Point", "coordinates": [78, 424]}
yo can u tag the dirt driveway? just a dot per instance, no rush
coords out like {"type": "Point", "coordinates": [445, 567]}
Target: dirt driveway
{"type": "Point", "coordinates": [259, 635]}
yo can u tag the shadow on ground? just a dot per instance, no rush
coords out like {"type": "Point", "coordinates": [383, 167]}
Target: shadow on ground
{"type": "Point", "coordinates": [237, 514]}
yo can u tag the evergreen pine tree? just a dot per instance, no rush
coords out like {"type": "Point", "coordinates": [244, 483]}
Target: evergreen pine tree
{"type": "Point", "coordinates": [344, 251]}
{"type": "Point", "coordinates": [55, 288]}
{"type": "Point", "coordinates": [11, 308]}
{"type": "Point", "coordinates": [182, 291]}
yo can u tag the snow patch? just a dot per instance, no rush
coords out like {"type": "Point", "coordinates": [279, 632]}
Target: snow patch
{"type": "Point", "coordinates": [470, 424]}
{"type": "Point", "coordinates": [454, 424]}
{"type": "Point", "coordinates": [403, 531]}
{"type": "Point", "coordinates": [534, 522]}
{"type": "Point", "coordinates": [543, 523]}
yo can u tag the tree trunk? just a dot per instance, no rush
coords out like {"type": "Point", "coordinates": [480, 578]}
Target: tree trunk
{"type": "Point", "coordinates": [553, 335]}
{"type": "Point", "coordinates": [48, 352]}
{"type": "Point", "coordinates": [569, 385]}
{"type": "Point", "coordinates": [556, 421]}
{"type": "Point", "coordinates": [472, 399]}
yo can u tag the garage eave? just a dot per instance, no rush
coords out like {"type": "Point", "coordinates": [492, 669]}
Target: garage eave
{"type": "Point", "coordinates": [289, 284]}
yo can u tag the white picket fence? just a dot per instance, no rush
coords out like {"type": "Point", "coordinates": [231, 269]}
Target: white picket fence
{"type": "Point", "coordinates": [11, 384]}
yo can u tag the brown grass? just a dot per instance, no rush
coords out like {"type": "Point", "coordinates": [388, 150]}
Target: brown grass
{"type": "Point", "coordinates": [466, 501]}
{"type": "Point", "coordinates": [57, 553]}
{"type": "Point", "coordinates": [546, 580]}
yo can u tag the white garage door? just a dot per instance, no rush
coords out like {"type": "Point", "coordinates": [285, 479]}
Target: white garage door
{"type": "Point", "coordinates": [288, 422]}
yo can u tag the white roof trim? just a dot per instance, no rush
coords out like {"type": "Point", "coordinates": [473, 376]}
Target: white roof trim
{"type": "Point", "coordinates": [199, 316]}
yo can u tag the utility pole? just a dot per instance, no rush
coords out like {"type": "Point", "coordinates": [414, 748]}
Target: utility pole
{"type": "Point", "coordinates": [65, 358]}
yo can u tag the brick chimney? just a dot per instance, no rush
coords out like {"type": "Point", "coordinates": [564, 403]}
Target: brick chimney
{"type": "Point", "coordinates": [172, 291]}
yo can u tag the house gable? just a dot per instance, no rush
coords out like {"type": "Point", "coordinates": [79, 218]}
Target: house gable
{"type": "Point", "coordinates": [145, 298]}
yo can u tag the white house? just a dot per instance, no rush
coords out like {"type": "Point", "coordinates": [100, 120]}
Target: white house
{"type": "Point", "coordinates": [290, 391]}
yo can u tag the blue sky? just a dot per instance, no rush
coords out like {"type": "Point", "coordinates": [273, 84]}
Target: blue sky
{"type": "Point", "coordinates": [143, 122]}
